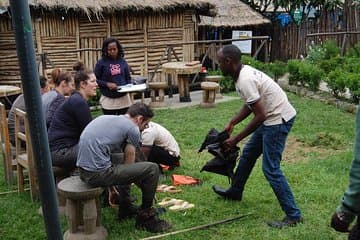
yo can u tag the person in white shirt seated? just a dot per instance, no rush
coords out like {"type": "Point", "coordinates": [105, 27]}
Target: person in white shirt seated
{"type": "Point", "coordinates": [159, 145]}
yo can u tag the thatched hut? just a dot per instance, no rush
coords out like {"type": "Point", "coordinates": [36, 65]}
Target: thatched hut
{"type": "Point", "coordinates": [62, 27]}
{"type": "Point", "coordinates": [231, 15]}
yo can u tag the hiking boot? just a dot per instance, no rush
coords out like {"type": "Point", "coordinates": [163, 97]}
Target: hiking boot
{"type": "Point", "coordinates": [127, 211]}
{"type": "Point", "coordinates": [227, 194]}
{"type": "Point", "coordinates": [286, 222]}
{"type": "Point", "coordinates": [355, 231]}
{"type": "Point", "coordinates": [338, 222]}
{"type": "Point", "coordinates": [148, 220]}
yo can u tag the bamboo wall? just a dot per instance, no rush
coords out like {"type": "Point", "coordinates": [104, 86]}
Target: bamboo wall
{"type": "Point", "coordinates": [59, 35]}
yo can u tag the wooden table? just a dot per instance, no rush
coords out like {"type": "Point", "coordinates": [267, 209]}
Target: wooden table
{"type": "Point", "coordinates": [183, 71]}
{"type": "Point", "coordinates": [8, 90]}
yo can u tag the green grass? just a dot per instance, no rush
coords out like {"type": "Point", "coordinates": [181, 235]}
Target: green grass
{"type": "Point", "coordinates": [318, 178]}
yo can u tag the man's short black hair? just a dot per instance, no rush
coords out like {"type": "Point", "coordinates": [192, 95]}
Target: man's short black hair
{"type": "Point", "coordinates": [140, 109]}
{"type": "Point", "coordinates": [232, 52]}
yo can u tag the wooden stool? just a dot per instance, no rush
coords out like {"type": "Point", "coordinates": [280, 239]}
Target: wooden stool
{"type": "Point", "coordinates": [209, 92]}
{"type": "Point", "coordinates": [83, 210]}
{"type": "Point", "coordinates": [216, 79]}
{"type": "Point", "coordinates": [59, 174]}
{"type": "Point", "coordinates": [157, 94]}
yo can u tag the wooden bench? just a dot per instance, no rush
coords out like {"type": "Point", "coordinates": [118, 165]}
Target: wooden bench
{"type": "Point", "coordinates": [209, 93]}
{"type": "Point", "coordinates": [83, 210]}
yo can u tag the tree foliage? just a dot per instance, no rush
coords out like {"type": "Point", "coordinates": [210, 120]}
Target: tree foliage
{"type": "Point", "coordinates": [273, 6]}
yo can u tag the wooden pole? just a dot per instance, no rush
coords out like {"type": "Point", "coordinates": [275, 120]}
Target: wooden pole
{"type": "Point", "coordinates": [197, 227]}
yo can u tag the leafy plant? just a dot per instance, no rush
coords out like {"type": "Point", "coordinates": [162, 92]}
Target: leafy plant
{"type": "Point", "coordinates": [330, 64]}
{"type": "Point", "coordinates": [354, 86]}
{"type": "Point", "coordinates": [331, 49]}
{"type": "Point", "coordinates": [293, 68]}
{"type": "Point", "coordinates": [310, 75]}
{"type": "Point", "coordinates": [354, 51]}
{"type": "Point", "coordinates": [336, 81]}
{"type": "Point", "coordinates": [316, 53]}
{"type": "Point", "coordinates": [277, 69]}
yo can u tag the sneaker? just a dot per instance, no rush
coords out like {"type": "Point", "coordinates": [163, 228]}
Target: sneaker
{"type": "Point", "coordinates": [355, 231]}
{"type": "Point", "coordinates": [227, 193]}
{"type": "Point", "coordinates": [127, 211]}
{"type": "Point", "coordinates": [338, 222]}
{"type": "Point", "coordinates": [286, 222]}
{"type": "Point", "coordinates": [148, 220]}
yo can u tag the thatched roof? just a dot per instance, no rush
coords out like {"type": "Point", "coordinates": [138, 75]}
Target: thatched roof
{"type": "Point", "coordinates": [233, 13]}
{"type": "Point", "coordinates": [101, 6]}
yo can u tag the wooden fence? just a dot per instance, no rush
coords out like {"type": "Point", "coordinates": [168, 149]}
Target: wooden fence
{"type": "Point", "coordinates": [293, 41]}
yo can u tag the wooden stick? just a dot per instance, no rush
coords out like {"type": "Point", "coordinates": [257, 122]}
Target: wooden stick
{"type": "Point", "coordinates": [196, 227]}
{"type": "Point", "coordinates": [13, 191]}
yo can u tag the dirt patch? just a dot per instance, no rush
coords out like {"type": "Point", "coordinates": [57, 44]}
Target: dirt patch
{"type": "Point", "coordinates": [297, 151]}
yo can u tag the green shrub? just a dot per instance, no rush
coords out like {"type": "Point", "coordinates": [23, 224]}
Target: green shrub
{"type": "Point", "coordinates": [316, 53]}
{"type": "Point", "coordinates": [352, 65]}
{"type": "Point", "coordinates": [331, 49]}
{"type": "Point", "coordinates": [336, 81]}
{"type": "Point", "coordinates": [353, 83]}
{"type": "Point", "coordinates": [254, 63]}
{"type": "Point", "coordinates": [276, 69]}
{"type": "Point", "coordinates": [354, 51]}
{"type": "Point", "coordinates": [327, 65]}
{"type": "Point", "coordinates": [310, 75]}
{"type": "Point", "coordinates": [226, 83]}
{"type": "Point", "coordinates": [293, 69]}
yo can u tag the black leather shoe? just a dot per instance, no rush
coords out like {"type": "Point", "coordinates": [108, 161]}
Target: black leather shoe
{"type": "Point", "coordinates": [286, 222]}
{"type": "Point", "coordinates": [226, 193]}
{"type": "Point", "coordinates": [338, 222]}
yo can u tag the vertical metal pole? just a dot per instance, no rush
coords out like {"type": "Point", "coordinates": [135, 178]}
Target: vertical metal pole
{"type": "Point", "coordinates": [30, 81]}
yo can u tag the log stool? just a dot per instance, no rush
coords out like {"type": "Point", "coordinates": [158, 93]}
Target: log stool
{"type": "Point", "coordinates": [83, 210]}
{"type": "Point", "coordinates": [216, 79]}
{"type": "Point", "coordinates": [157, 94]}
{"type": "Point", "coordinates": [209, 92]}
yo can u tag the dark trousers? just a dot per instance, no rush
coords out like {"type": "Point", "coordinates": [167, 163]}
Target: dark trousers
{"type": "Point", "coordinates": [161, 156]}
{"type": "Point", "coordinates": [65, 158]}
{"type": "Point", "coordinates": [143, 174]}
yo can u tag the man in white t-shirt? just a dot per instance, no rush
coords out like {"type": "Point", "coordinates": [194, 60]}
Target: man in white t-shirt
{"type": "Point", "coordinates": [160, 146]}
{"type": "Point", "coordinates": [273, 117]}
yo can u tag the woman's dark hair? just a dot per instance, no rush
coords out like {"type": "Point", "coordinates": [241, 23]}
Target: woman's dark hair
{"type": "Point", "coordinates": [104, 48]}
{"type": "Point", "coordinates": [140, 109]}
{"type": "Point", "coordinates": [54, 75]}
{"type": "Point", "coordinates": [81, 74]}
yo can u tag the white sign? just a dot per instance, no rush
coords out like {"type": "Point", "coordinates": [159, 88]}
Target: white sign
{"type": "Point", "coordinates": [244, 46]}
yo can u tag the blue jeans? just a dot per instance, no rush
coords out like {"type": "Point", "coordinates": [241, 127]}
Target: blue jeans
{"type": "Point", "coordinates": [269, 141]}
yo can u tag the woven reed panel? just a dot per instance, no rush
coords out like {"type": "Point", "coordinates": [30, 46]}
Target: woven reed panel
{"type": "Point", "coordinates": [134, 56]}
{"type": "Point", "coordinates": [9, 64]}
{"type": "Point", "coordinates": [125, 21]}
{"type": "Point", "coordinates": [93, 29]}
{"type": "Point", "coordinates": [62, 60]}
{"type": "Point", "coordinates": [168, 20]}
{"type": "Point", "coordinates": [57, 25]}
{"type": "Point", "coordinates": [163, 36]}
